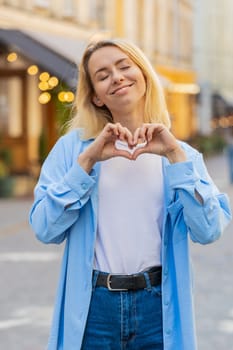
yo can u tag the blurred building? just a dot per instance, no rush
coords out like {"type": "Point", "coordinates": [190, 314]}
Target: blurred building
{"type": "Point", "coordinates": [213, 56]}
{"type": "Point", "coordinates": [48, 36]}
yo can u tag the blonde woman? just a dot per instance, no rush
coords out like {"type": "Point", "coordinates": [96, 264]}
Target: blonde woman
{"type": "Point", "coordinates": [126, 196]}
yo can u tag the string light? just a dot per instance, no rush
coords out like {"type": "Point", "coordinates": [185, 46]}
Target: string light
{"type": "Point", "coordinates": [53, 81]}
{"type": "Point", "coordinates": [44, 98]}
{"type": "Point", "coordinates": [66, 96]}
{"type": "Point", "coordinates": [43, 85]}
{"type": "Point", "coordinates": [44, 76]}
{"type": "Point", "coordinates": [32, 70]}
{"type": "Point", "coordinates": [12, 57]}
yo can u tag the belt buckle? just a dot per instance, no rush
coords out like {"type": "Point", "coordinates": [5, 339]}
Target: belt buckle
{"type": "Point", "coordinates": [109, 284]}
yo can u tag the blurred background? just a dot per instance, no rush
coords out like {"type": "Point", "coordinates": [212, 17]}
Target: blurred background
{"type": "Point", "coordinates": [41, 42]}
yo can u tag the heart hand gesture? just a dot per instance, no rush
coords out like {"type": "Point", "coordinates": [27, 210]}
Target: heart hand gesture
{"type": "Point", "coordinates": [159, 140]}
{"type": "Point", "coordinates": [149, 138]}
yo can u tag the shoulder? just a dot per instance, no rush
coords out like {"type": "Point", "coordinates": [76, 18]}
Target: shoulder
{"type": "Point", "coordinates": [69, 141]}
{"type": "Point", "coordinates": [73, 136]}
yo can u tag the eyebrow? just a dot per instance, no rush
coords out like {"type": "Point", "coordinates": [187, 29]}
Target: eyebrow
{"type": "Point", "coordinates": [105, 68]}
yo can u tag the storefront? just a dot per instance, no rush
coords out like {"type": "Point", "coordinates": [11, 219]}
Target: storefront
{"type": "Point", "coordinates": [35, 82]}
{"type": "Point", "coordinates": [181, 92]}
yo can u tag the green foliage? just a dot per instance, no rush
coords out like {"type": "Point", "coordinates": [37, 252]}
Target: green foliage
{"type": "Point", "coordinates": [5, 162]}
{"type": "Point", "coordinates": [64, 110]}
{"type": "Point", "coordinates": [6, 181]}
{"type": "Point", "coordinates": [43, 147]}
{"type": "Point", "coordinates": [209, 144]}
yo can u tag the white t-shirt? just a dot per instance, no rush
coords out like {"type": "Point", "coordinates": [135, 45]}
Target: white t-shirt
{"type": "Point", "coordinates": [130, 216]}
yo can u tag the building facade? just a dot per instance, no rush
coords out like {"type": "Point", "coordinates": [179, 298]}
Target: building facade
{"type": "Point", "coordinates": [213, 55]}
{"type": "Point", "coordinates": [162, 28]}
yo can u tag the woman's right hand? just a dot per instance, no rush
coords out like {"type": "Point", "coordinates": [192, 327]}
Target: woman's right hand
{"type": "Point", "coordinates": [103, 147]}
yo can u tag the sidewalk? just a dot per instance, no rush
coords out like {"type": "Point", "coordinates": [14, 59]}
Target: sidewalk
{"type": "Point", "coordinates": [217, 166]}
{"type": "Point", "coordinates": [212, 266]}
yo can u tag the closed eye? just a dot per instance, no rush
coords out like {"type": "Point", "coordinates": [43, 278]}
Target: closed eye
{"type": "Point", "coordinates": [124, 67]}
{"type": "Point", "coordinates": [101, 78]}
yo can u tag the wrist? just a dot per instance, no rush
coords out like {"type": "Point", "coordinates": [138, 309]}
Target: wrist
{"type": "Point", "coordinates": [177, 155]}
{"type": "Point", "coordinates": [86, 162]}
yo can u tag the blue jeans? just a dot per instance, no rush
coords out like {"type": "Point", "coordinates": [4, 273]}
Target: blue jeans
{"type": "Point", "coordinates": [126, 320]}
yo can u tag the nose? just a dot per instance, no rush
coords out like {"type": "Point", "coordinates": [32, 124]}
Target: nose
{"type": "Point", "coordinates": [117, 76]}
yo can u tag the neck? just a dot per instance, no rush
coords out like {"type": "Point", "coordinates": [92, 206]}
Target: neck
{"type": "Point", "coordinates": [131, 119]}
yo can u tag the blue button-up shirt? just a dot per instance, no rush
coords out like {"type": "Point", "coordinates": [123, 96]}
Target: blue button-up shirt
{"type": "Point", "coordinates": [65, 208]}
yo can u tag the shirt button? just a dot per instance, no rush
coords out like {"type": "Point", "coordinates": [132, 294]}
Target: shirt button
{"type": "Point", "coordinates": [84, 186]}
{"type": "Point", "coordinates": [166, 302]}
{"type": "Point", "coordinates": [188, 172]}
{"type": "Point", "coordinates": [166, 272]}
{"type": "Point", "coordinates": [168, 331]}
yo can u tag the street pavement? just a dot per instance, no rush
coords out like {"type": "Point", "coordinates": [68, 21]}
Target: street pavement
{"type": "Point", "coordinates": [29, 273]}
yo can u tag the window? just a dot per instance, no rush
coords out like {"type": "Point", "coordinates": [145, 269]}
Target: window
{"type": "Point", "coordinates": [11, 90]}
{"type": "Point", "coordinates": [68, 8]}
{"type": "Point", "coordinates": [42, 3]}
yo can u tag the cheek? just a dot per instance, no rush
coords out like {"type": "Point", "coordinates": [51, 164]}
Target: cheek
{"type": "Point", "coordinates": [100, 89]}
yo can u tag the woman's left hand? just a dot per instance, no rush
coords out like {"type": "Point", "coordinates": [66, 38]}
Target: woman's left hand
{"type": "Point", "coordinates": [159, 141]}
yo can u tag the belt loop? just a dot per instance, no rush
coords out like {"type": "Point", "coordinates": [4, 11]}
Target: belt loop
{"type": "Point", "coordinates": [94, 279]}
{"type": "Point", "coordinates": [148, 282]}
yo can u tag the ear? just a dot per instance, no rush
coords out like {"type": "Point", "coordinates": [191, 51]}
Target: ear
{"type": "Point", "coordinates": [97, 101]}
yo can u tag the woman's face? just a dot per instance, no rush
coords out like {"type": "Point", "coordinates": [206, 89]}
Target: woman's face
{"type": "Point", "coordinates": [118, 82]}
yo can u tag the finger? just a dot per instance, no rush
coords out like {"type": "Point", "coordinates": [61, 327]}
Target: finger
{"type": "Point", "coordinates": [128, 137]}
{"type": "Point", "coordinates": [142, 135]}
{"type": "Point", "coordinates": [136, 136]}
{"type": "Point", "coordinates": [150, 132]}
{"type": "Point", "coordinates": [122, 153]}
{"type": "Point", "coordinates": [125, 135]}
{"type": "Point", "coordinates": [139, 151]}
{"type": "Point", "coordinates": [110, 129]}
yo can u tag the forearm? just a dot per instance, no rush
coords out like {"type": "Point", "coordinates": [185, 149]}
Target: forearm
{"type": "Point", "coordinates": [86, 162]}
{"type": "Point", "coordinates": [176, 156]}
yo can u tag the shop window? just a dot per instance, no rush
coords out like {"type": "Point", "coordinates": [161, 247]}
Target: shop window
{"type": "Point", "coordinates": [68, 8]}
{"type": "Point", "coordinates": [11, 97]}
{"type": "Point", "coordinates": [42, 3]}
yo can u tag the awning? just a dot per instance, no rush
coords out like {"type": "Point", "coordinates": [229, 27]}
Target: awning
{"type": "Point", "coordinates": [44, 53]}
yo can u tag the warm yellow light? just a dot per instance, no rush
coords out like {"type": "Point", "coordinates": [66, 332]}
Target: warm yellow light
{"type": "Point", "coordinates": [44, 98]}
{"type": "Point", "coordinates": [69, 96]}
{"type": "Point", "coordinates": [214, 123]}
{"type": "Point", "coordinates": [53, 81]}
{"type": "Point", "coordinates": [66, 96]}
{"type": "Point", "coordinates": [32, 70]}
{"type": "Point", "coordinates": [61, 96]}
{"type": "Point", "coordinates": [223, 122]}
{"type": "Point", "coordinates": [43, 85]}
{"type": "Point", "coordinates": [44, 76]}
{"type": "Point", "coordinates": [192, 89]}
{"type": "Point", "coordinates": [12, 57]}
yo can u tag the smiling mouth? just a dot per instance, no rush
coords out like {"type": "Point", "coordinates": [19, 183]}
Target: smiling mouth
{"type": "Point", "coordinates": [121, 87]}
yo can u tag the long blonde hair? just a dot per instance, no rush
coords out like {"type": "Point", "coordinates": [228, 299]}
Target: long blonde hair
{"type": "Point", "coordinates": [90, 118]}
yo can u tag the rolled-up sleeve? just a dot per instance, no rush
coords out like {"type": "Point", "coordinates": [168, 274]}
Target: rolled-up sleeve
{"type": "Point", "coordinates": [62, 190]}
{"type": "Point", "coordinates": [206, 211]}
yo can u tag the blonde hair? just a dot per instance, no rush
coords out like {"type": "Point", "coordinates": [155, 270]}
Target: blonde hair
{"type": "Point", "coordinates": [90, 118]}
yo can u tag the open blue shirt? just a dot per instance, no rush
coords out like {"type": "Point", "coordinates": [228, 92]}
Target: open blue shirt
{"type": "Point", "coordinates": [65, 208]}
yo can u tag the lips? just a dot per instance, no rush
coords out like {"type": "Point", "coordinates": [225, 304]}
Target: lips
{"type": "Point", "coordinates": [120, 87]}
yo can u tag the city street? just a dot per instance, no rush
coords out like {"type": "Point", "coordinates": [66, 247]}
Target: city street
{"type": "Point", "coordinates": [29, 273]}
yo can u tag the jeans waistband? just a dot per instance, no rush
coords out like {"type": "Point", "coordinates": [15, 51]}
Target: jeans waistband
{"type": "Point", "coordinates": [119, 282]}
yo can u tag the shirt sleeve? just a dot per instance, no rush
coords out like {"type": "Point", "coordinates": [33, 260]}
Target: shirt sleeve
{"type": "Point", "coordinates": [62, 190]}
{"type": "Point", "coordinates": [205, 211]}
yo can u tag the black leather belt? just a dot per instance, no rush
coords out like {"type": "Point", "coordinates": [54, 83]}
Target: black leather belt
{"type": "Point", "coordinates": [115, 282]}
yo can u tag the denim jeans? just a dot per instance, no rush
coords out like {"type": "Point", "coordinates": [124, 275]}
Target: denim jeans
{"type": "Point", "coordinates": [125, 320]}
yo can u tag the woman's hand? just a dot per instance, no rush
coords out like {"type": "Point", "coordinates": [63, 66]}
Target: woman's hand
{"type": "Point", "coordinates": [103, 147]}
{"type": "Point", "coordinates": [159, 141]}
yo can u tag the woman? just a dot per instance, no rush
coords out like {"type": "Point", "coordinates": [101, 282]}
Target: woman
{"type": "Point", "coordinates": [126, 196]}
